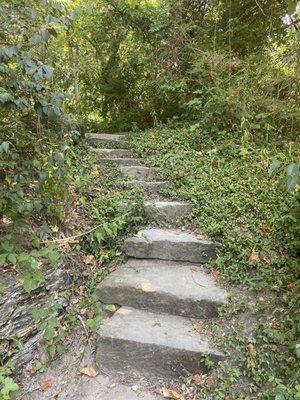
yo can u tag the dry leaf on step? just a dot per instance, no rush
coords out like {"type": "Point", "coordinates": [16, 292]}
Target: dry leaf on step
{"type": "Point", "coordinates": [252, 354]}
{"type": "Point", "coordinates": [216, 275]}
{"type": "Point", "coordinates": [89, 372]}
{"type": "Point", "coordinates": [171, 394]}
{"type": "Point", "coordinates": [47, 384]}
{"type": "Point", "coordinates": [196, 379]}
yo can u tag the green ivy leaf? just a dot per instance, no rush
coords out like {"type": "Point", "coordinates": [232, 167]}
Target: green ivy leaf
{"type": "Point", "coordinates": [111, 308]}
{"type": "Point", "coordinates": [292, 176]}
{"type": "Point", "coordinates": [274, 166]}
{"type": "Point", "coordinates": [9, 52]}
{"type": "Point", "coordinates": [9, 388]}
{"type": "Point", "coordinates": [5, 147]}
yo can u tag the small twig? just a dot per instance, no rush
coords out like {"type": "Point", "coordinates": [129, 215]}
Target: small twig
{"type": "Point", "coordinates": [72, 238]}
{"type": "Point", "coordinates": [259, 6]}
{"type": "Point", "coordinates": [84, 327]}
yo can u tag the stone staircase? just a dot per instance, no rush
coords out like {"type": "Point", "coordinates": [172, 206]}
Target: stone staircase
{"type": "Point", "coordinates": [162, 290]}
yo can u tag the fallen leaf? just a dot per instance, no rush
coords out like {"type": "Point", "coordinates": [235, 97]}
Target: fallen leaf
{"type": "Point", "coordinates": [6, 220]}
{"type": "Point", "coordinates": [89, 372]}
{"type": "Point", "coordinates": [264, 228]}
{"type": "Point", "coordinates": [171, 394]}
{"type": "Point", "coordinates": [146, 287]}
{"type": "Point", "coordinates": [210, 382]}
{"type": "Point", "coordinates": [47, 384]}
{"type": "Point", "coordinates": [95, 171]}
{"type": "Point", "coordinates": [252, 354]}
{"type": "Point", "coordinates": [80, 290]}
{"type": "Point", "coordinates": [199, 327]}
{"type": "Point", "coordinates": [196, 379]}
{"type": "Point", "coordinates": [254, 256]}
{"type": "Point", "coordinates": [124, 311]}
{"type": "Point", "coordinates": [89, 259]}
{"type": "Point", "coordinates": [216, 275]}
{"type": "Point", "coordinates": [291, 286]}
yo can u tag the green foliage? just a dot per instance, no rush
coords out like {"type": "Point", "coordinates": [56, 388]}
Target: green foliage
{"type": "Point", "coordinates": [8, 387]}
{"type": "Point", "coordinates": [246, 201]}
{"type": "Point", "coordinates": [49, 324]}
{"type": "Point", "coordinates": [26, 75]}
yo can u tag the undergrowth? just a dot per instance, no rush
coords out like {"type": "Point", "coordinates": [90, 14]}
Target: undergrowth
{"type": "Point", "coordinates": [241, 200]}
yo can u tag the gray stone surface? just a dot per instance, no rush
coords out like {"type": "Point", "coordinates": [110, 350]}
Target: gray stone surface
{"type": "Point", "coordinates": [121, 162]}
{"type": "Point", "coordinates": [15, 305]}
{"type": "Point", "coordinates": [169, 211]}
{"type": "Point", "coordinates": [67, 383]}
{"type": "Point", "coordinates": [152, 344]}
{"type": "Point", "coordinates": [113, 153]}
{"type": "Point", "coordinates": [103, 388]}
{"type": "Point", "coordinates": [163, 286]}
{"type": "Point", "coordinates": [170, 244]}
{"type": "Point", "coordinates": [153, 187]}
{"type": "Point", "coordinates": [109, 137]}
{"type": "Point", "coordinates": [139, 173]}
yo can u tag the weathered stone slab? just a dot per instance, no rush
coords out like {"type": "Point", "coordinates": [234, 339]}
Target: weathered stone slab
{"type": "Point", "coordinates": [152, 344]}
{"type": "Point", "coordinates": [163, 286]}
{"type": "Point", "coordinates": [121, 162]}
{"type": "Point", "coordinates": [153, 187]}
{"type": "Point", "coordinates": [139, 173]}
{"type": "Point", "coordinates": [15, 305]}
{"type": "Point", "coordinates": [97, 139]}
{"type": "Point", "coordinates": [169, 211]}
{"type": "Point", "coordinates": [170, 244]}
{"type": "Point", "coordinates": [112, 153]}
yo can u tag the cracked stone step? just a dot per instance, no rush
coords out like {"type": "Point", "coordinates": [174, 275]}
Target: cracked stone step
{"type": "Point", "coordinates": [102, 138]}
{"type": "Point", "coordinates": [113, 153]}
{"type": "Point", "coordinates": [153, 187]}
{"type": "Point", "coordinates": [154, 345]}
{"type": "Point", "coordinates": [139, 173]}
{"type": "Point", "coordinates": [170, 244]}
{"type": "Point", "coordinates": [163, 286]}
{"type": "Point", "coordinates": [169, 211]}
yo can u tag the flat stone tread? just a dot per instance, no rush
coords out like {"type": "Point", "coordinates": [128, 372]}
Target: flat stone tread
{"type": "Point", "coordinates": [113, 153]}
{"type": "Point", "coordinates": [180, 280]}
{"type": "Point", "coordinates": [164, 204]}
{"type": "Point", "coordinates": [145, 183]}
{"type": "Point", "coordinates": [104, 136]}
{"type": "Point", "coordinates": [121, 162]}
{"type": "Point", "coordinates": [138, 168]}
{"type": "Point", "coordinates": [171, 235]}
{"type": "Point", "coordinates": [168, 331]}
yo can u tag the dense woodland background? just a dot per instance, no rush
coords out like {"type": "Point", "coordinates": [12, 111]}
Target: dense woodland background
{"type": "Point", "coordinates": [218, 85]}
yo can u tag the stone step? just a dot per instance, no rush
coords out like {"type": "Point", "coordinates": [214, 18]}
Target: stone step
{"type": "Point", "coordinates": [170, 244]}
{"type": "Point", "coordinates": [163, 286]}
{"type": "Point", "coordinates": [139, 173]}
{"type": "Point", "coordinates": [121, 162]}
{"type": "Point", "coordinates": [153, 187]}
{"type": "Point", "coordinates": [168, 211]}
{"type": "Point", "coordinates": [154, 345]}
{"type": "Point", "coordinates": [97, 139]}
{"type": "Point", "coordinates": [112, 153]}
